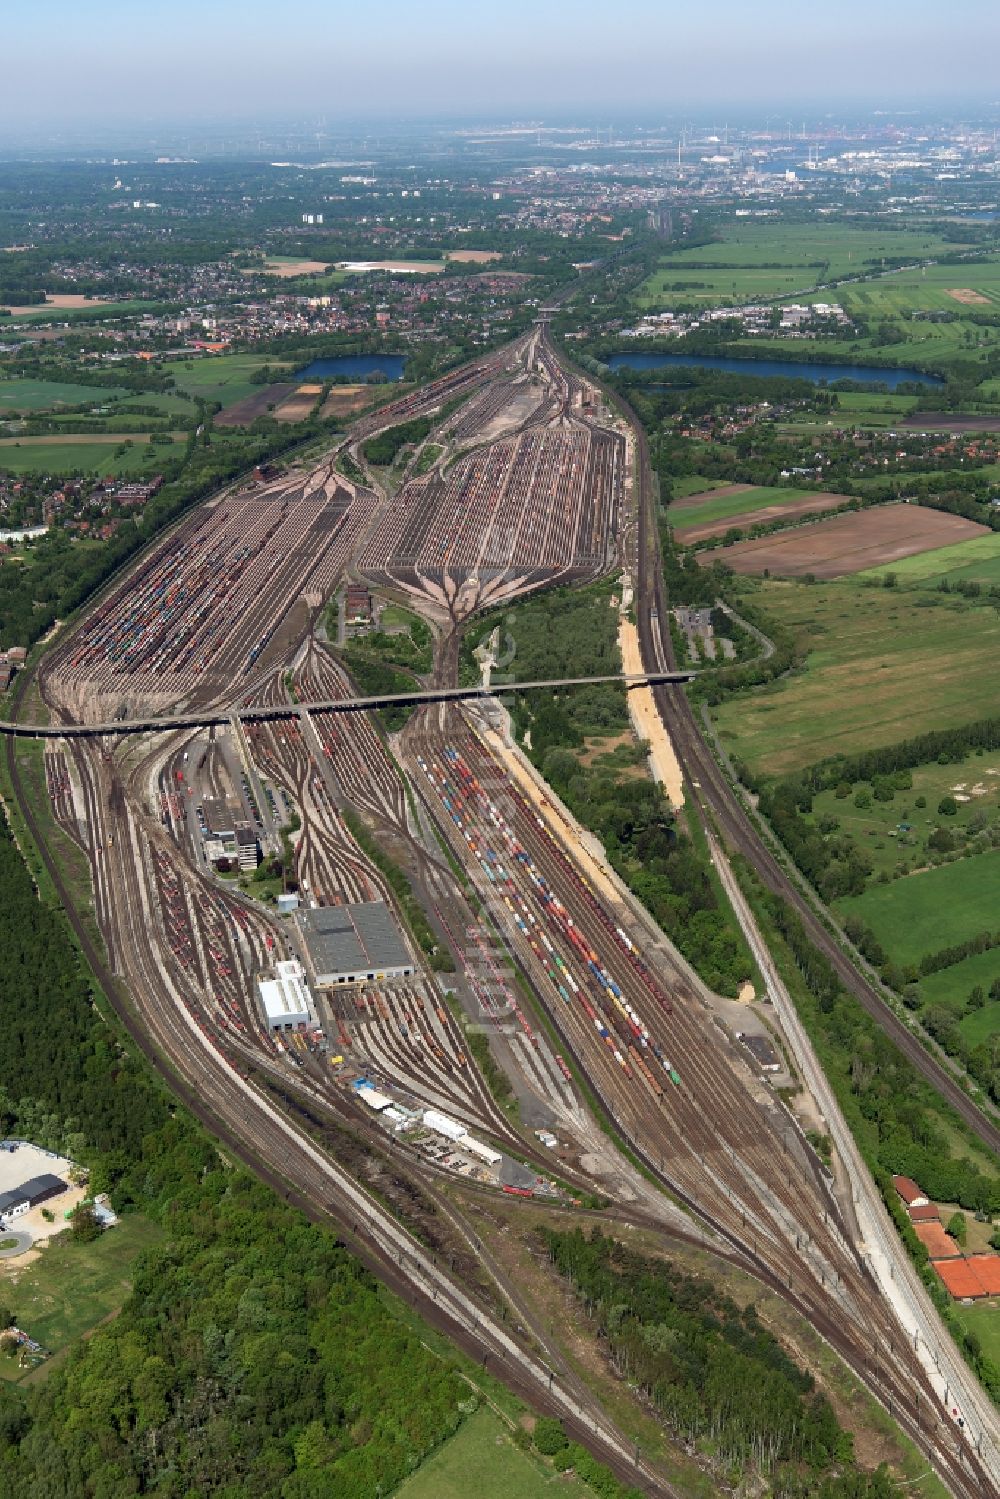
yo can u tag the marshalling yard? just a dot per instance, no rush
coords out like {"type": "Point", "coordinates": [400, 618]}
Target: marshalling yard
{"type": "Point", "coordinates": [313, 1035]}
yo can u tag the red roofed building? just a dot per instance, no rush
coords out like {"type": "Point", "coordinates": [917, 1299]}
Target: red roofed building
{"type": "Point", "coordinates": [925, 1213]}
{"type": "Point", "coordinates": [909, 1192]}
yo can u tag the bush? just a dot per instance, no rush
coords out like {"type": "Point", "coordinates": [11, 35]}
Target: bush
{"type": "Point", "coordinates": [947, 806]}
{"type": "Point", "coordinates": [549, 1436]}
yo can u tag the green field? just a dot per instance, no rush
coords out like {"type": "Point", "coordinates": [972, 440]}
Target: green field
{"type": "Point", "coordinates": [682, 518]}
{"type": "Point", "coordinates": [481, 1462]}
{"type": "Point", "coordinates": [220, 377]}
{"type": "Point", "coordinates": [762, 261]}
{"type": "Point", "coordinates": [876, 829]}
{"type": "Point", "coordinates": [926, 289]}
{"type": "Point", "coordinates": [72, 1287]}
{"type": "Point", "coordinates": [952, 987]}
{"type": "Point", "coordinates": [33, 455]}
{"type": "Point", "coordinates": [984, 1321]}
{"type": "Point", "coordinates": [882, 665]}
{"type": "Point", "coordinates": [854, 407]}
{"type": "Point", "coordinates": [43, 395]}
{"type": "Point", "coordinates": [977, 561]}
{"type": "Point", "coordinates": [688, 484]}
{"type": "Point", "coordinates": [94, 313]}
{"type": "Point", "coordinates": [931, 910]}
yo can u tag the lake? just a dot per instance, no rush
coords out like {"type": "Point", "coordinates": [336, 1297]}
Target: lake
{"type": "Point", "coordinates": [864, 374]}
{"type": "Point", "coordinates": [355, 366]}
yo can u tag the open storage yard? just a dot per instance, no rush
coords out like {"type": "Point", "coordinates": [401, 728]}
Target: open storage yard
{"type": "Point", "coordinates": [703, 516]}
{"type": "Point", "coordinates": [882, 665]}
{"type": "Point", "coordinates": [849, 543]}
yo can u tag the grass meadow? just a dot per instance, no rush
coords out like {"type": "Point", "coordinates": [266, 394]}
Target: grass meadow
{"type": "Point", "coordinates": [882, 665]}
{"type": "Point", "coordinates": [481, 1460]}
{"type": "Point", "coordinates": [72, 1287]}
{"type": "Point", "coordinates": [933, 909]}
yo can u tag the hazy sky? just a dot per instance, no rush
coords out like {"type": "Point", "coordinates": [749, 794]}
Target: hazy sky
{"type": "Point", "coordinates": [107, 60]}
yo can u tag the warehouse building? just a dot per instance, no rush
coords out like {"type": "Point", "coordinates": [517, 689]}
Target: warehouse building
{"type": "Point", "coordinates": [38, 1189]}
{"type": "Point", "coordinates": [355, 944]}
{"type": "Point", "coordinates": [285, 999]}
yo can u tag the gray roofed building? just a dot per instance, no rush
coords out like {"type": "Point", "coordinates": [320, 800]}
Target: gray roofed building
{"type": "Point", "coordinates": [353, 944]}
{"type": "Point", "coordinates": [29, 1194]}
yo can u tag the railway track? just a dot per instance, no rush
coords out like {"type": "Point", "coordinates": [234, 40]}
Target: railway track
{"type": "Point", "coordinates": [188, 952]}
{"type": "Point", "coordinates": [714, 792]}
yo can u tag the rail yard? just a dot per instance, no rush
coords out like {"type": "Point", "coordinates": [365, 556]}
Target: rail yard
{"type": "Point", "coordinates": [528, 477]}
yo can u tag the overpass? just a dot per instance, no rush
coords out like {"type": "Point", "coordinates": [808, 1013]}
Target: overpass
{"type": "Point", "coordinates": [207, 717]}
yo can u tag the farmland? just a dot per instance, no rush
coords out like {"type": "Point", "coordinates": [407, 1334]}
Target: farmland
{"type": "Point", "coordinates": [933, 288]}
{"type": "Point", "coordinates": [849, 543]}
{"type": "Point", "coordinates": [86, 312]}
{"type": "Point", "coordinates": [713, 514]}
{"type": "Point", "coordinates": [882, 665]}
{"type": "Point", "coordinates": [973, 561]}
{"type": "Point", "coordinates": [760, 262]}
{"type": "Point", "coordinates": [932, 909]}
{"type": "Point", "coordinates": [220, 377]}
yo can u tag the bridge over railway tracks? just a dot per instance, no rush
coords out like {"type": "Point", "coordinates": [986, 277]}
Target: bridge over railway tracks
{"type": "Point", "coordinates": [198, 718]}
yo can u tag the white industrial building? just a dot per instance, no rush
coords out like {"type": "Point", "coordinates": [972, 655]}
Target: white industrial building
{"type": "Point", "coordinates": [285, 999]}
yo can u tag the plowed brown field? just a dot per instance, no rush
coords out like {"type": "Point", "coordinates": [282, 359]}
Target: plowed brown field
{"type": "Point", "coordinates": [847, 543]}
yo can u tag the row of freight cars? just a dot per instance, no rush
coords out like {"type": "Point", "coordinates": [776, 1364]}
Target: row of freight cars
{"type": "Point", "coordinates": [615, 1019]}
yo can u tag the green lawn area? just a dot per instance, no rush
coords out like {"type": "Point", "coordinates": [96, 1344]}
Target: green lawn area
{"type": "Point", "coordinates": [975, 560]}
{"type": "Point", "coordinates": [984, 1321]}
{"type": "Point", "coordinates": [882, 665]}
{"type": "Point", "coordinates": [777, 259]}
{"type": "Point", "coordinates": [43, 395]}
{"type": "Point", "coordinates": [481, 1462]}
{"type": "Point", "coordinates": [72, 1287]}
{"type": "Point", "coordinates": [221, 377]}
{"type": "Point", "coordinates": [952, 986]}
{"type": "Point", "coordinates": [876, 828]}
{"type": "Point", "coordinates": [684, 516]}
{"type": "Point", "coordinates": [34, 455]}
{"type": "Point", "coordinates": [931, 910]}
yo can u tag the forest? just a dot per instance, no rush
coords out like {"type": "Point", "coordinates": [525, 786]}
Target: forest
{"type": "Point", "coordinates": [716, 1376]}
{"type": "Point", "coordinates": [254, 1357]}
